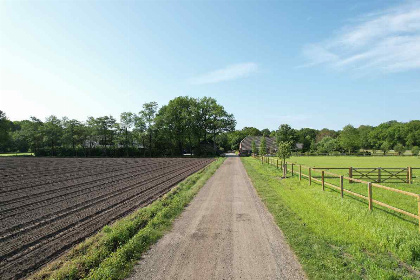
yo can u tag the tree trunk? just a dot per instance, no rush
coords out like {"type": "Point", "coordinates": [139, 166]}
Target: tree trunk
{"type": "Point", "coordinates": [126, 142]}
{"type": "Point", "coordinates": [150, 143]}
{"type": "Point", "coordinates": [144, 147]}
{"type": "Point", "coordinates": [74, 150]}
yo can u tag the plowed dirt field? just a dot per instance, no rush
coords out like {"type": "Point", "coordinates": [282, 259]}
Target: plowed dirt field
{"type": "Point", "coordinates": [48, 205]}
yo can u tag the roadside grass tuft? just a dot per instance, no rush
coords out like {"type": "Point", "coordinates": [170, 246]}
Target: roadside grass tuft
{"type": "Point", "coordinates": [111, 253]}
{"type": "Point", "coordinates": [337, 238]}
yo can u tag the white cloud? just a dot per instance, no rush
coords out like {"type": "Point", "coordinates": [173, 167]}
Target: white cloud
{"type": "Point", "coordinates": [386, 41]}
{"type": "Point", "coordinates": [228, 73]}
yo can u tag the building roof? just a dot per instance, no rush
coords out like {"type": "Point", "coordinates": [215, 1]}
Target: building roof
{"type": "Point", "coordinates": [246, 143]}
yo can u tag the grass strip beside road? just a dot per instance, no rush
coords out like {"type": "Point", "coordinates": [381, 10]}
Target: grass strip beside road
{"type": "Point", "coordinates": [337, 238]}
{"type": "Point", "coordinates": [17, 155]}
{"type": "Point", "coordinates": [112, 252]}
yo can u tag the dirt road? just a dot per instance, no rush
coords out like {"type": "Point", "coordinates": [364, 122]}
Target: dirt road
{"type": "Point", "coordinates": [225, 233]}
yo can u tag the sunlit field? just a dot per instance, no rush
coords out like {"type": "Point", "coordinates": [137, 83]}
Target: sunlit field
{"type": "Point", "coordinates": [398, 200]}
{"type": "Point", "coordinates": [339, 238]}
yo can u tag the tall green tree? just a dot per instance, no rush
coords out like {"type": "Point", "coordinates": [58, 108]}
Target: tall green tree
{"type": "Point", "coordinates": [349, 139]}
{"type": "Point", "coordinates": [4, 132]}
{"type": "Point", "coordinates": [306, 136]}
{"type": "Point", "coordinates": [139, 132]}
{"type": "Point", "coordinates": [72, 133]}
{"type": "Point", "coordinates": [176, 118]}
{"type": "Point", "coordinates": [266, 132]}
{"type": "Point", "coordinates": [324, 133]}
{"type": "Point", "coordinates": [327, 145]}
{"type": "Point", "coordinates": [254, 148]}
{"type": "Point", "coordinates": [263, 146]}
{"type": "Point", "coordinates": [364, 131]}
{"type": "Point", "coordinates": [284, 151]}
{"type": "Point", "coordinates": [34, 133]}
{"type": "Point", "coordinates": [148, 114]}
{"type": "Point", "coordinates": [104, 130]}
{"type": "Point", "coordinates": [385, 147]}
{"type": "Point", "coordinates": [399, 148]}
{"type": "Point", "coordinates": [53, 132]}
{"type": "Point", "coordinates": [286, 133]}
{"type": "Point", "coordinates": [127, 120]}
{"type": "Point", "coordinates": [415, 150]}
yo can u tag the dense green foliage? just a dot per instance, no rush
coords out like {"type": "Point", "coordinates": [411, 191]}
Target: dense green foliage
{"type": "Point", "coordinates": [284, 150]}
{"type": "Point", "coordinates": [254, 148]}
{"type": "Point", "coordinates": [111, 253]}
{"type": "Point", "coordinates": [387, 136]}
{"type": "Point", "coordinates": [263, 146]}
{"type": "Point", "coordinates": [334, 237]}
{"type": "Point", "coordinates": [184, 125]}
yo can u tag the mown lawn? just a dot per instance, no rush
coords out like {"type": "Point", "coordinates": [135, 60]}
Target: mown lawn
{"type": "Point", "coordinates": [401, 201]}
{"type": "Point", "coordinates": [334, 237]}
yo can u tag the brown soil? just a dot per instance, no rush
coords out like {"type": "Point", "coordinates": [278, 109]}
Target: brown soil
{"type": "Point", "coordinates": [48, 205]}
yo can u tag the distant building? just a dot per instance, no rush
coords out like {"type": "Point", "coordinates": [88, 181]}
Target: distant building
{"type": "Point", "coordinates": [245, 147]}
{"type": "Point", "coordinates": [299, 146]}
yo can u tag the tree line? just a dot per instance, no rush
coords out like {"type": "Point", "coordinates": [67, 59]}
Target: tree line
{"type": "Point", "coordinates": [199, 126]}
{"type": "Point", "coordinates": [392, 135]}
{"type": "Point", "coordinates": [184, 125]}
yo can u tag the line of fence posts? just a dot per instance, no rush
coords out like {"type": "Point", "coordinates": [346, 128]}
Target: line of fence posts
{"type": "Point", "coordinates": [369, 184]}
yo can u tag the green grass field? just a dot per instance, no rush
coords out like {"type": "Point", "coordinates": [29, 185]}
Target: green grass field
{"type": "Point", "coordinates": [347, 161]}
{"type": "Point", "coordinates": [334, 237]}
{"type": "Point", "coordinates": [398, 200]}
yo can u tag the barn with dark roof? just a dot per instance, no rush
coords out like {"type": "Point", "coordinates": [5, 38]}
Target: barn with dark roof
{"type": "Point", "coordinates": [245, 147]}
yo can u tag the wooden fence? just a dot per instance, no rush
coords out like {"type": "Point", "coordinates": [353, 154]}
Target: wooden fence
{"type": "Point", "coordinates": [296, 170]}
{"type": "Point", "coordinates": [378, 174]}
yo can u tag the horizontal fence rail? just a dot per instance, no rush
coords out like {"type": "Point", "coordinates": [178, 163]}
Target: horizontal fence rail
{"type": "Point", "coordinates": [296, 169]}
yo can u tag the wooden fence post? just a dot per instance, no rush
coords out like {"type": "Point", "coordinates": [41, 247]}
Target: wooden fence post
{"type": "Point", "coordinates": [323, 180]}
{"type": "Point", "coordinates": [285, 167]}
{"type": "Point", "coordinates": [350, 174]}
{"type": "Point", "coordinates": [292, 169]}
{"type": "Point", "coordinates": [379, 175]}
{"type": "Point", "coordinates": [418, 207]}
{"type": "Point", "coordinates": [300, 172]}
{"type": "Point", "coordinates": [310, 176]}
{"type": "Point", "coordinates": [370, 195]}
{"type": "Point", "coordinates": [277, 164]}
{"type": "Point", "coordinates": [410, 178]}
{"type": "Point", "coordinates": [262, 160]}
{"type": "Point", "coordinates": [342, 185]}
{"type": "Point", "coordinates": [409, 175]}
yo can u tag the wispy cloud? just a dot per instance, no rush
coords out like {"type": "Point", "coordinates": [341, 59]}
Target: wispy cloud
{"type": "Point", "coordinates": [386, 41]}
{"type": "Point", "coordinates": [228, 73]}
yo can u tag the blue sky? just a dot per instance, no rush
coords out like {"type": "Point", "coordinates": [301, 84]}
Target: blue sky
{"type": "Point", "coordinates": [306, 63]}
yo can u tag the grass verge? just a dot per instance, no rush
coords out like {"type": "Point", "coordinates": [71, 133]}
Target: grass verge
{"type": "Point", "coordinates": [112, 252]}
{"type": "Point", "coordinates": [338, 238]}
{"type": "Point", "coordinates": [17, 155]}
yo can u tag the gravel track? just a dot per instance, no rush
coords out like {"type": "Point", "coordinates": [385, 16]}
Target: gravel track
{"type": "Point", "coordinates": [71, 199]}
{"type": "Point", "coordinates": [225, 233]}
